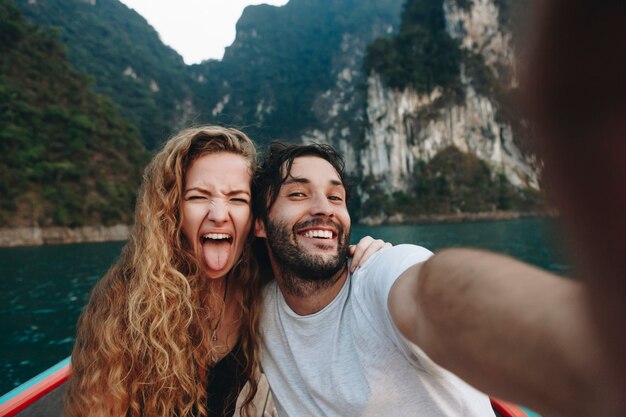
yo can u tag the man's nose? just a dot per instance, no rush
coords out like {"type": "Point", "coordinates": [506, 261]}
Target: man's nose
{"type": "Point", "coordinates": [218, 212]}
{"type": "Point", "coordinates": [321, 206]}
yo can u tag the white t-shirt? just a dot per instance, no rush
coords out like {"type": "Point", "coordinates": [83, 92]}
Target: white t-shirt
{"type": "Point", "coordinates": [350, 360]}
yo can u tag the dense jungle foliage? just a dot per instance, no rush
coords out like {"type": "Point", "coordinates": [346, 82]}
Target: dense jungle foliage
{"type": "Point", "coordinates": [421, 54]}
{"type": "Point", "coordinates": [124, 57]}
{"type": "Point", "coordinates": [67, 156]}
{"type": "Point", "coordinates": [452, 182]}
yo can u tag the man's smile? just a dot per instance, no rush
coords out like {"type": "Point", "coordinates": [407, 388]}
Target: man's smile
{"type": "Point", "coordinates": [318, 233]}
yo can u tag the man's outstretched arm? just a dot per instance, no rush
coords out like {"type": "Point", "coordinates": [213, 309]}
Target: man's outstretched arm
{"type": "Point", "coordinates": [509, 329]}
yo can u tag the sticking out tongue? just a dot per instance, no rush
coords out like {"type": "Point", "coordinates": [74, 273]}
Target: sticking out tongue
{"type": "Point", "coordinates": [216, 253]}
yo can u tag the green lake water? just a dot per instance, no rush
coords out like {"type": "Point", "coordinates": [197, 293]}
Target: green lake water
{"type": "Point", "coordinates": [43, 289]}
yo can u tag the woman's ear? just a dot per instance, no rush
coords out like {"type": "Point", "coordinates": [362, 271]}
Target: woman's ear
{"type": "Point", "coordinates": [259, 228]}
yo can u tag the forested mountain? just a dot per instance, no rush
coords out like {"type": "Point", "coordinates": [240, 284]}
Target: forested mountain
{"type": "Point", "coordinates": [125, 58]}
{"type": "Point", "coordinates": [280, 77]}
{"type": "Point", "coordinates": [282, 61]}
{"type": "Point", "coordinates": [67, 157]}
{"type": "Point", "coordinates": [414, 93]}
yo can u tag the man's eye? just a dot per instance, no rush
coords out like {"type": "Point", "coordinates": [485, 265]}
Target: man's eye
{"type": "Point", "coordinates": [335, 198]}
{"type": "Point", "coordinates": [296, 194]}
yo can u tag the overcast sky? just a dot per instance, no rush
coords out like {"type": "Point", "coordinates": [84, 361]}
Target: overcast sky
{"type": "Point", "coordinates": [196, 29]}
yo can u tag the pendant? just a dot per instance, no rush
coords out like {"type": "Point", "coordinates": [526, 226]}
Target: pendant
{"type": "Point", "coordinates": [214, 336]}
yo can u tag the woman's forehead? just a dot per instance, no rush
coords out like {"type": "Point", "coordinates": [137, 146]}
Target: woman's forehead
{"type": "Point", "coordinates": [219, 169]}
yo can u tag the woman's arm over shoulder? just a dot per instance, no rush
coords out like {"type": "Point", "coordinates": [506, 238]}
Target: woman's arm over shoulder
{"type": "Point", "coordinates": [366, 247]}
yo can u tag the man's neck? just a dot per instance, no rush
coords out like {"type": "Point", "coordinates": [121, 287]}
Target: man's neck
{"type": "Point", "coordinates": [308, 297]}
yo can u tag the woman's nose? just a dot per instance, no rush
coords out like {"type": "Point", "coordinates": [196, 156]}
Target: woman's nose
{"type": "Point", "coordinates": [218, 212]}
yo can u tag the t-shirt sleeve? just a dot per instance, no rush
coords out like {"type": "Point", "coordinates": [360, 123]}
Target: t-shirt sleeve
{"type": "Point", "coordinates": [374, 281]}
{"type": "Point", "coordinates": [383, 270]}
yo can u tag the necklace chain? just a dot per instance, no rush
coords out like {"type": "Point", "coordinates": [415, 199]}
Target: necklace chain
{"type": "Point", "coordinates": [219, 320]}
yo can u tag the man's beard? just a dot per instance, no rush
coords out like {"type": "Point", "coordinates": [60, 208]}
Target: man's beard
{"type": "Point", "coordinates": [303, 273]}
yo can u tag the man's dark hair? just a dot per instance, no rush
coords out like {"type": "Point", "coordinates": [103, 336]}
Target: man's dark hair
{"type": "Point", "coordinates": [270, 176]}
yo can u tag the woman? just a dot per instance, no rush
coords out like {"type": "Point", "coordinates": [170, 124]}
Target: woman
{"type": "Point", "coordinates": [171, 329]}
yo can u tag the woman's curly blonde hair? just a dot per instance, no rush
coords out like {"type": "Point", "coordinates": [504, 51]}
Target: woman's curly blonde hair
{"type": "Point", "coordinates": [142, 347]}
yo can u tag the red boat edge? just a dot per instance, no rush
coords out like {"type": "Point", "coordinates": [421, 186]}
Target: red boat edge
{"type": "Point", "coordinates": [35, 389]}
{"type": "Point", "coordinates": [506, 409]}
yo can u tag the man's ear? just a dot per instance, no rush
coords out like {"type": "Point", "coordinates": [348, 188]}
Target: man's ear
{"type": "Point", "coordinates": [259, 228]}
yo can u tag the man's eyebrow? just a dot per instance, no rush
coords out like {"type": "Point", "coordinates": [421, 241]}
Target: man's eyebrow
{"type": "Point", "coordinates": [300, 180]}
{"type": "Point", "coordinates": [296, 180]}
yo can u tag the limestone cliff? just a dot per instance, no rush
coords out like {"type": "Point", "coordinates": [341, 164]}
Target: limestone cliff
{"type": "Point", "coordinates": [403, 126]}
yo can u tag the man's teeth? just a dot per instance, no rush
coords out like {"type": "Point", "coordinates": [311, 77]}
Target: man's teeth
{"type": "Point", "coordinates": [324, 234]}
{"type": "Point", "coordinates": [216, 236]}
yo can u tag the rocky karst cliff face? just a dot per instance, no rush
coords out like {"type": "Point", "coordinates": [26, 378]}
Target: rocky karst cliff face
{"type": "Point", "coordinates": [478, 29]}
{"type": "Point", "coordinates": [403, 126]}
{"type": "Point", "coordinates": [339, 110]}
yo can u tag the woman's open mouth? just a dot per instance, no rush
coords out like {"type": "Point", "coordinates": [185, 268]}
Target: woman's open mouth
{"type": "Point", "coordinates": [216, 248]}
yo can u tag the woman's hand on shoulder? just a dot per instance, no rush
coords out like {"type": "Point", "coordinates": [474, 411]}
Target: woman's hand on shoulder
{"type": "Point", "coordinates": [366, 247]}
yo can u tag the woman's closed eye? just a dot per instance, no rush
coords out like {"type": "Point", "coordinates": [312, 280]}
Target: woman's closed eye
{"type": "Point", "coordinates": [195, 197]}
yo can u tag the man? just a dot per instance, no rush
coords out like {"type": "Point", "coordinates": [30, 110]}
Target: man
{"type": "Point", "coordinates": [337, 344]}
